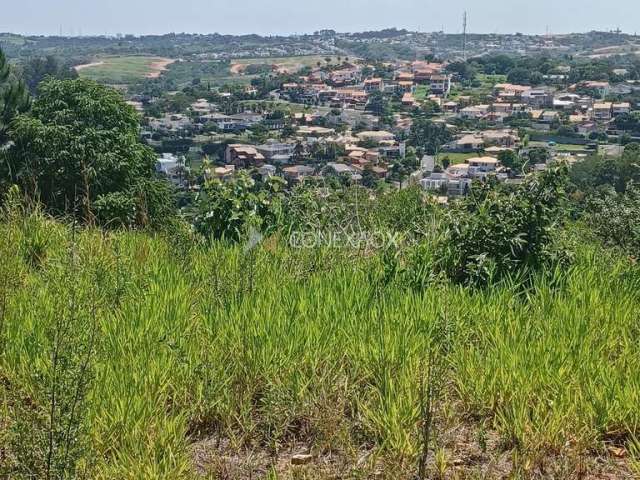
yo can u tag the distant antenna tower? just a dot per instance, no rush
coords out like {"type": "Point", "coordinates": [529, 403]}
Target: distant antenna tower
{"type": "Point", "coordinates": [464, 36]}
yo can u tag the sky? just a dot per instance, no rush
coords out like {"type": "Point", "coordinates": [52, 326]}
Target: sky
{"type": "Point", "coordinates": [268, 17]}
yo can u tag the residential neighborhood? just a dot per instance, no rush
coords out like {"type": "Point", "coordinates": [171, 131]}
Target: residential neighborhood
{"type": "Point", "coordinates": [364, 122]}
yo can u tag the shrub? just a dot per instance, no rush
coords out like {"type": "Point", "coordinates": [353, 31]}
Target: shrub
{"type": "Point", "coordinates": [497, 232]}
{"type": "Point", "coordinates": [614, 218]}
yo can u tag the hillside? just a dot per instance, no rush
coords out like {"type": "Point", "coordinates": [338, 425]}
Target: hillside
{"type": "Point", "coordinates": [132, 355]}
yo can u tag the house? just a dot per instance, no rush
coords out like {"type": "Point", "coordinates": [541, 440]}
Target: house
{"type": "Point", "coordinates": [223, 173]}
{"type": "Point", "coordinates": [621, 108]}
{"type": "Point", "coordinates": [243, 156]}
{"type": "Point", "coordinates": [537, 98]}
{"type": "Point", "coordinates": [350, 95]}
{"type": "Point", "coordinates": [380, 172]}
{"type": "Point", "coordinates": [203, 106]}
{"type": "Point", "coordinates": [345, 76]}
{"type": "Point", "coordinates": [406, 77]}
{"type": "Point", "coordinates": [481, 166]}
{"type": "Point", "coordinates": [277, 152]}
{"type": "Point", "coordinates": [373, 85]}
{"type": "Point", "coordinates": [501, 138]}
{"type": "Point", "coordinates": [450, 107]}
{"type": "Point", "coordinates": [440, 84]}
{"type": "Point", "coordinates": [455, 185]}
{"type": "Point", "coordinates": [423, 71]}
{"type": "Point", "coordinates": [468, 143]}
{"type": "Point", "coordinates": [428, 163]}
{"type": "Point", "coordinates": [424, 66]}
{"type": "Point", "coordinates": [602, 112]}
{"type": "Point", "coordinates": [435, 181]}
{"type": "Point", "coordinates": [508, 92]}
{"type": "Point", "coordinates": [171, 123]}
{"type": "Point", "coordinates": [344, 169]}
{"type": "Point", "coordinates": [311, 131]}
{"type": "Point", "coordinates": [267, 171]}
{"type": "Point", "coordinates": [587, 128]}
{"type": "Point", "coordinates": [376, 136]}
{"type": "Point", "coordinates": [578, 118]}
{"type": "Point", "coordinates": [170, 166]}
{"type": "Point", "coordinates": [549, 116]}
{"type": "Point", "coordinates": [408, 100]}
{"type": "Point", "coordinates": [290, 87]}
{"type": "Point", "coordinates": [297, 172]}
{"type": "Point", "coordinates": [474, 112]}
{"type": "Point", "coordinates": [502, 108]}
{"type": "Point", "coordinates": [601, 88]}
{"type": "Point", "coordinates": [458, 170]}
{"type": "Point", "coordinates": [405, 87]}
{"type": "Point", "coordinates": [459, 187]}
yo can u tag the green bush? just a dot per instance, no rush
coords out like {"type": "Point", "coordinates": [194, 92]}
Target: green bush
{"type": "Point", "coordinates": [498, 232]}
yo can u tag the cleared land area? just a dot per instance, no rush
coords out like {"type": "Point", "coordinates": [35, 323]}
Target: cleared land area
{"type": "Point", "coordinates": [283, 64]}
{"type": "Point", "coordinates": [124, 70]}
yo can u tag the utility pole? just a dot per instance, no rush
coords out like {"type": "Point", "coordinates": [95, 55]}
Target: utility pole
{"type": "Point", "coordinates": [464, 36]}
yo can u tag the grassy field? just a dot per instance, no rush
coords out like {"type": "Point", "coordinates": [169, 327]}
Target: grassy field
{"type": "Point", "coordinates": [137, 356]}
{"type": "Point", "coordinates": [421, 93]}
{"type": "Point", "coordinates": [122, 70]}
{"type": "Point", "coordinates": [485, 86]}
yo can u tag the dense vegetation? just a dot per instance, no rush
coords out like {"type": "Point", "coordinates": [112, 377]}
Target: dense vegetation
{"type": "Point", "coordinates": [158, 348]}
{"type": "Point", "coordinates": [384, 334]}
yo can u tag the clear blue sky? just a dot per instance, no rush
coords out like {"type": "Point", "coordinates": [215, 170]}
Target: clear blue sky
{"type": "Point", "coordinates": [298, 16]}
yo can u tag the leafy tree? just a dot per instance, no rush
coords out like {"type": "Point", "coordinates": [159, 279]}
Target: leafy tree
{"type": "Point", "coordinates": [596, 172]}
{"type": "Point", "coordinates": [258, 133]}
{"type": "Point", "coordinates": [79, 143]}
{"type": "Point", "coordinates": [538, 155]}
{"type": "Point", "coordinates": [13, 98]}
{"type": "Point", "coordinates": [519, 76]}
{"type": "Point", "coordinates": [614, 218]}
{"type": "Point", "coordinates": [512, 160]}
{"type": "Point", "coordinates": [228, 210]}
{"type": "Point", "coordinates": [37, 69]}
{"type": "Point", "coordinates": [378, 104]}
{"type": "Point", "coordinates": [428, 136]}
{"type": "Point", "coordinates": [369, 178]}
{"type": "Point", "coordinates": [495, 232]}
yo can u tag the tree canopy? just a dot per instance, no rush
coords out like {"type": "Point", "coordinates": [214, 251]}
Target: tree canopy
{"type": "Point", "coordinates": [13, 97]}
{"type": "Point", "coordinates": [78, 144]}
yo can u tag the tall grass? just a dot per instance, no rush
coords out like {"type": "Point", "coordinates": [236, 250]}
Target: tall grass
{"type": "Point", "coordinates": [273, 348]}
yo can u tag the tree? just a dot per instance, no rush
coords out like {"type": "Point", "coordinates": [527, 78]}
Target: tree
{"type": "Point", "coordinates": [497, 232]}
{"type": "Point", "coordinates": [538, 155]}
{"type": "Point", "coordinates": [511, 159]}
{"type": "Point", "coordinates": [519, 76]}
{"type": "Point", "coordinates": [39, 68]}
{"type": "Point", "coordinates": [14, 98]}
{"type": "Point", "coordinates": [369, 178]}
{"type": "Point", "coordinates": [298, 152]}
{"type": "Point", "coordinates": [79, 144]}
{"type": "Point", "coordinates": [229, 210]}
{"type": "Point", "coordinates": [428, 136]}
{"type": "Point", "coordinates": [377, 104]}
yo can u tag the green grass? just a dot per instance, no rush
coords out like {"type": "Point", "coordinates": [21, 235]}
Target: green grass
{"type": "Point", "coordinates": [561, 147]}
{"type": "Point", "coordinates": [485, 88]}
{"type": "Point", "coordinates": [421, 93]}
{"type": "Point", "coordinates": [456, 158]}
{"type": "Point", "coordinates": [274, 349]}
{"type": "Point", "coordinates": [120, 70]}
